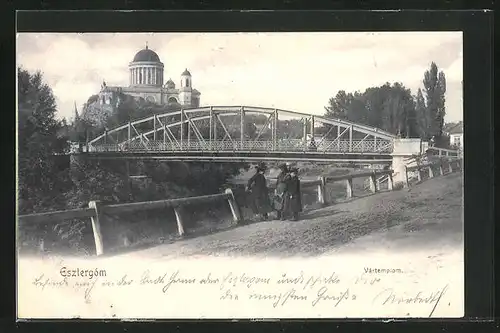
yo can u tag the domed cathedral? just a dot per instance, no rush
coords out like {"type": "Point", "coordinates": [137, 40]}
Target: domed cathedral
{"type": "Point", "coordinates": [146, 75]}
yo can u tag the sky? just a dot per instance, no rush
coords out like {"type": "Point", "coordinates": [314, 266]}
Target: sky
{"type": "Point", "coordinates": [292, 71]}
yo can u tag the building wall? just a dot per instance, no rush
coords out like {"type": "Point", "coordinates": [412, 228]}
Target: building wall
{"type": "Point", "coordinates": [160, 96]}
{"type": "Point", "coordinates": [457, 139]}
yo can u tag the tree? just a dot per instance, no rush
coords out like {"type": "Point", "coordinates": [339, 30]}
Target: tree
{"type": "Point", "coordinates": [338, 106]}
{"type": "Point", "coordinates": [422, 114]}
{"type": "Point", "coordinates": [435, 89]}
{"type": "Point", "coordinates": [388, 107]}
{"type": "Point", "coordinates": [39, 141]}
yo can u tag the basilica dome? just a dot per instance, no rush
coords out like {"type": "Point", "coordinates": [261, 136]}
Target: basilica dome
{"type": "Point", "coordinates": [146, 55]}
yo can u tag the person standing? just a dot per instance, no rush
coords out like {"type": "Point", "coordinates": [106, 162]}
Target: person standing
{"type": "Point", "coordinates": [259, 193]}
{"type": "Point", "coordinates": [293, 200]}
{"type": "Point", "coordinates": [279, 193]}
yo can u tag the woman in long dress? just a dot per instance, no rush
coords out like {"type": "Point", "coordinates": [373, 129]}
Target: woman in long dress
{"type": "Point", "coordinates": [279, 193]}
{"type": "Point", "coordinates": [293, 200]}
{"type": "Point", "coordinates": [259, 193]}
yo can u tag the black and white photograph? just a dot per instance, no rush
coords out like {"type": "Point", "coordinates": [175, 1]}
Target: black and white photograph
{"type": "Point", "coordinates": [240, 175]}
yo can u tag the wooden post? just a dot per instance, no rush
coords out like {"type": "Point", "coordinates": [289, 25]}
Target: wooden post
{"type": "Point", "coordinates": [96, 227]}
{"type": "Point", "coordinates": [406, 183]}
{"type": "Point", "coordinates": [178, 217]}
{"type": "Point", "coordinates": [390, 182]}
{"type": "Point", "coordinates": [431, 172]}
{"type": "Point", "coordinates": [321, 190]}
{"type": "Point", "coordinates": [235, 209]}
{"type": "Point", "coordinates": [348, 184]}
{"type": "Point", "coordinates": [373, 183]}
{"type": "Point", "coordinates": [419, 174]}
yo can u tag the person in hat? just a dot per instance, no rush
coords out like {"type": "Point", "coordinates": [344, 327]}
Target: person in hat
{"type": "Point", "coordinates": [279, 193]}
{"type": "Point", "coordinates": [293, 200]}
{"type": "Point", "coordinates": [259, 193]}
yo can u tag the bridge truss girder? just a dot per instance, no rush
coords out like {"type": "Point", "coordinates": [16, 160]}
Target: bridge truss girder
{"type": "Point", "coordinates": [206, 128]}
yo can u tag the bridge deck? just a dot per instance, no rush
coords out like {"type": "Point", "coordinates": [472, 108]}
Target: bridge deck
{"type": "Point", "coordinates": [242, 156]}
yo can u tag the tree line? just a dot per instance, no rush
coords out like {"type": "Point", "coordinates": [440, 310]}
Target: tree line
{"type": "Point", "coordinates": [393, 108]}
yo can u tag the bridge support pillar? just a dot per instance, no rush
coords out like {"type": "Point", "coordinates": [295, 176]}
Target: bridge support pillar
{"type": "Point", "coordinates": [402, 156]}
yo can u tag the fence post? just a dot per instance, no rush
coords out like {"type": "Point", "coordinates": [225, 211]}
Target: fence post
{"type": "Point", "coordinates": [441, 169]}
{"type": "Point", "coordinates": [348, 183]}
{"type": "Point", "coordinates": [373, 183]}
{"type": "Point", "coordinates": [321, 190]}
{"type": "Point", "coordinates": [406, 183]}
{"type": "Point", "coordinates": [96, 227]}
{"type": "Point", "coordinates": [180, 224]}
{"type": "Point", "coordinates": [235, 209]}
{"type": "Point", "coordinates": [419, 174]}
{"type": "Point", "coordinates": [390, 182]}
{"type": "Point", "coordinates": [431, 172]}
{"type": "Point", "coordinates": [450, 166]}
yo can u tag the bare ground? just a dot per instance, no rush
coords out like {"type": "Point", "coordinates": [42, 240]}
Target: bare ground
{"type": "Point", "coordinates": [428, 215]}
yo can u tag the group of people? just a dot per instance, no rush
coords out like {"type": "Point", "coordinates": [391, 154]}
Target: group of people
{"type": "Point", "coordinates": [286, 201]}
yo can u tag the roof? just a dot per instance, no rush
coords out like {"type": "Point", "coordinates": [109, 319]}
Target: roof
{"type": "Point", "coordinates": [457, 129]}
{"type": "Point", "coordinates": [146, 55]}
{"type": "Point", "coordinates": [186, 72]}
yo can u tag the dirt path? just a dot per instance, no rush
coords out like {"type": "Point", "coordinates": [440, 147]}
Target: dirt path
{"type": "Point", "coordinates": [427, 216]}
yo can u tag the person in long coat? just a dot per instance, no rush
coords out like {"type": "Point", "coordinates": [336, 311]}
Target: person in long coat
{"type": "Point", "coordinates": [293, 200]}
{"type": "Point", "coordinates": [279, 193]}
{"type": "Point", "coordinates": [259, 193]}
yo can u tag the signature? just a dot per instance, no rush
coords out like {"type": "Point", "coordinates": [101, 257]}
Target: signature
{"type": "Point", "coordinates": [389, 296]}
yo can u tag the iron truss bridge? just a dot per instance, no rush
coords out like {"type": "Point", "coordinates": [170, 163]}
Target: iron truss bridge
{"type": "Point", "coordinates": [243, 133]}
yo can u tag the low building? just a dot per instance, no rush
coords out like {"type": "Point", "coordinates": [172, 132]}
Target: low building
{"type": "Point", "coordinates": [456, 134]}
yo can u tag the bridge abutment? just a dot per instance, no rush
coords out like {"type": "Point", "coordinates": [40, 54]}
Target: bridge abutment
{"type": "Point", "coordinates": [403, 151]}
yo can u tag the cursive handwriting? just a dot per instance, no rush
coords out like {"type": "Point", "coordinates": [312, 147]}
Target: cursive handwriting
{"type": "Point", "coordinates": [389, 296]}
{"type": "Point", "coordinates": [174, 279]}
{"type": "Point", "coordinates": [279, 299]}
{"type": "Point", "coordinates": [314, 280]}
{"type": "Point", "coordinates": [324, 295]}
{"type": "Point", "coordinates": [248, 281]}
{"type": "Point", "coordinates": [42, 282]}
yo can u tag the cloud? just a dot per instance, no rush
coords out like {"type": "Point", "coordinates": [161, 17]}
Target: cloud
{"type": "Point", "coordinates": [297, 71]}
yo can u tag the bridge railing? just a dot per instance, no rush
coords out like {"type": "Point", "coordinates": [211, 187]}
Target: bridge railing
{"type": "Point", "coordinates": [444, 166]}
{"type": "Point", "coordinates": [95, 212]}
{"type": "Point", "coordinates": [288, 145]}
{"type": "Point", "coordinates": [443, 152]}
{"type": "Point", "coordinates": [323, 181]}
